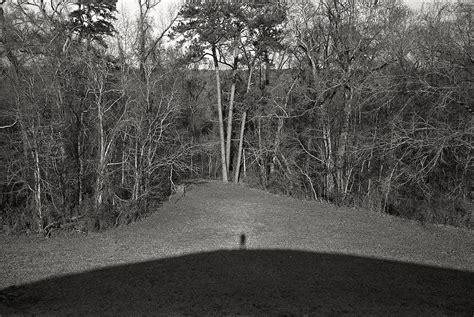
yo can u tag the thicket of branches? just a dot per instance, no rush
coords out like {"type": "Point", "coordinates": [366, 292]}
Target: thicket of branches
{"type": "Point", "coordinates": [89, 137]}
{"type": "Point", "coordinates": [357, 102]}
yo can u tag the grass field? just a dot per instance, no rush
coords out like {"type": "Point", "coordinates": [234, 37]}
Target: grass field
{"type": "Point", "coordinates": [301, 258]}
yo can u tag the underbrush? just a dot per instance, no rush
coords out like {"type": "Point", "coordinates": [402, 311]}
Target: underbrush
{"type": "Point", "coordinates": [117, 214]}
{"type": "Point", "coordinates": [87, 218]}
{"type": "Point", "coordinates": [14, 220]}
{"type": "Point", "coordinates": [439, 209]}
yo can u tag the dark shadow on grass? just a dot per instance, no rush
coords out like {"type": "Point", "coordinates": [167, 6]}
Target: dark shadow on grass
{"type": "Point", "coordinates": [252, 282]}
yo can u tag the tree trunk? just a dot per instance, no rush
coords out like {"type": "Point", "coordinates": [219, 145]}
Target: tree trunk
{"type": "Point", "coordinates": [136, 163]}
{"type": "Point", "coordinates": [100, 178]}
{"type": "Point", "coordinates": [343, 141]}
{"type": "Point", "coordinates": [231, 109]}
{"type": "Point", "coordinates": [276, 145]}
{"type": "Point", "coordinates": [30, 149]}
{"type": "Point", "coordinates": [104, 152]}
{"type": "Point", "coordinates": [62, 172]}
{"type": "Point", "coordinates": [239, 152]}
{"type": "Point", "coordinates": [279, 131]}
{"type": "Point", "coordinates": [219, 112]}
{"type": "Point", "coordinates": [80, 158]}
{"type": "Point", "coordinates": [327, 155]}
{"type": "Point", "coordinates": [142, 41]}
{"type": "Point", "coordinates": [261, 158]}
{"type": "Point", "coordinates": [37, 187]}
{"type": "Point", "coordinates": [122, 167]}
{"type": "Point", "coordinates": [242, 130]}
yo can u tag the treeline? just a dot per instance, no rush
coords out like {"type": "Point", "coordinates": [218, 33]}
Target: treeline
{"type": "Point", "coordinates": [89, 138]}
{"type": "Point", "coordinates": [355, 102]}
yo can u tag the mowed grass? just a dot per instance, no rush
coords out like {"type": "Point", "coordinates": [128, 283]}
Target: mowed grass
{"type": "Point", "coordinates": [302, 257]}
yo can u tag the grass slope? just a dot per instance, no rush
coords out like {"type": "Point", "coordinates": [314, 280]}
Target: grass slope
{"type": "Point", "coordinates": [302, 258]}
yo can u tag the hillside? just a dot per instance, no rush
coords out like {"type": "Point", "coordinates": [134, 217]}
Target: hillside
{"type": "Point", "coordinates": [302, 258]}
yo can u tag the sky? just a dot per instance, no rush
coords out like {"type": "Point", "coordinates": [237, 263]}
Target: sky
{"type": "Point", "coordinates": [415, 3]}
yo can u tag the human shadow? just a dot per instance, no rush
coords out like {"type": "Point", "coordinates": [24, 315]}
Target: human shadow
{"type": "Point", "coordinates": [250, 282]}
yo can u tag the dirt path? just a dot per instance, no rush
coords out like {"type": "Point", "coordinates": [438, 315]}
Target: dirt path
{"type": "Point", "coordinates": [301, 258]}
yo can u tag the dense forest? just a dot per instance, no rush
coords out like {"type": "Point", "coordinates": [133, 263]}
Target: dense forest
{"type": "Point", "coordinates": [356, 102]}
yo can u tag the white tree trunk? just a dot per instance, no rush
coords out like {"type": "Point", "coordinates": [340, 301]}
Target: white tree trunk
{"type": "Point", "coordinates": [101, 163]}
{"type": "Point", "coordinates": [221, 118]}
{"type": "Point", "coordinates": [242, 130]}
{"type": "Point", "coordinates": [231, 109]}
{"type": "Point", "coordinates": [37, 193]}
{"type": "Point", "coordinates": [239, 153]}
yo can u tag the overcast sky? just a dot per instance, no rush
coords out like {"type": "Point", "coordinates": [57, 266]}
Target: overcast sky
{"type": "Point", "coordinates": [415, 3]}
